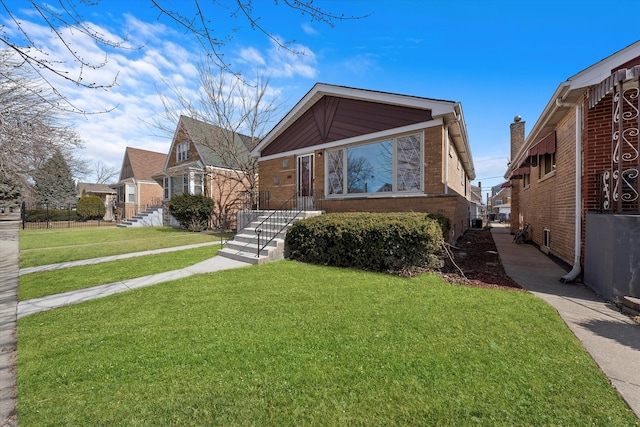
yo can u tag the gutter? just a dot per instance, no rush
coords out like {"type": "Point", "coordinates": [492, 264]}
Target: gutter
{"type": "Point", "coordinates": [576, 270]}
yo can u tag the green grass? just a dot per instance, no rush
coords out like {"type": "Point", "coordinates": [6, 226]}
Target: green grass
{"type": "Point", "coordinates": [37, 285]}
{"type": "Point", "coordinates": [42, 247]}
{"type": "Point", "coordinates": [293, 344]}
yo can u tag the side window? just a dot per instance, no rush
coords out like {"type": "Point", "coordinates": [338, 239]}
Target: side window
{"type": "Point", "coordinates": [547, 164]}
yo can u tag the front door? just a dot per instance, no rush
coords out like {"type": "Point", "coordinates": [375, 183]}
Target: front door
{"type": "Point", "coordinates": [304, 182]}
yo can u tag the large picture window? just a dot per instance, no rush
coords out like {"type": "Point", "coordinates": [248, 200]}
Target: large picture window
{"type": "Point", "coordinates": [393, 165]}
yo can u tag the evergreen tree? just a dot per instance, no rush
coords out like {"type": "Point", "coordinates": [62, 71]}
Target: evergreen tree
{"type": "Point", "coordinates": [10, 191]}
{"type": "Point", "coordinates": [54, 183]}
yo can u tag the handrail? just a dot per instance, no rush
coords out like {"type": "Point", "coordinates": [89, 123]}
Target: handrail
{"type": "Point", "coordinates": [280, 218]}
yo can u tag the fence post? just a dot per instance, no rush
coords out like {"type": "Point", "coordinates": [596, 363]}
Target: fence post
{"type": "Point", "coordinates": [23, 214]}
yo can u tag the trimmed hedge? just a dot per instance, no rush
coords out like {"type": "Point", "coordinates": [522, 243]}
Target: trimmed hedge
{"type": "Point", "coordinates": [370, 241]}
{"type": "Point", "coordinates": [91, 207]}
{"type": "Point", "coordinates": [41, 215]}
{"type": "Point", "coordinates": [192, 211]}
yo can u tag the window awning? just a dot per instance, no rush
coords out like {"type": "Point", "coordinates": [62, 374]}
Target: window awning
{"type": "Point", "coordinates": [546, 145]}
{"type": "Point", "coordinates": [524, 170]}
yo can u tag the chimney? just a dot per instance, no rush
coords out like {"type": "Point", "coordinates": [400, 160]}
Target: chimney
{"type": "Point", "coordinates": [517, 137]}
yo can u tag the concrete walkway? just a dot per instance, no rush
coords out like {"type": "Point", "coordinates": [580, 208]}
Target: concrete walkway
{"type": "Point", "coordinates": [611, 338]}
{"type": "Point", "coordinates": [73, 297]}
{"type": "Point", "coordinates": [118, 257]}
{"type": "Point", "coordinates": [9, 225]}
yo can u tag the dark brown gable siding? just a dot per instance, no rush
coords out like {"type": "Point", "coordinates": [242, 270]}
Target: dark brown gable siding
{"type": "Point", "coordinates": [333, 119]}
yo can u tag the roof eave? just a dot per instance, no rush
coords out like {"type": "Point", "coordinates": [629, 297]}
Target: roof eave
{"type": "Point", "coordinates": [437, 107]}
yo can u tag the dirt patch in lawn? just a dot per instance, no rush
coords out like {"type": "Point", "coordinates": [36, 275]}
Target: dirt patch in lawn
{"type": "Point", "coordinates": [473, 261]}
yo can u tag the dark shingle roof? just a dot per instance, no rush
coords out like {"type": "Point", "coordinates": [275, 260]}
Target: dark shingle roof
{"type": "Point", "coordinates": [208, 137]}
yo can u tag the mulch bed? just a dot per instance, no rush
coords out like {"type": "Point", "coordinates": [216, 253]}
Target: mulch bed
{"type": "Point", "coordinates": [474, 261]}
{"type": "Point", "coordinates": [477, 262]}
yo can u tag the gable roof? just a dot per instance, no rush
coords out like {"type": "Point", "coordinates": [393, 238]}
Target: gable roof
{"type": "Point", "coordinates": [144, 163]}
{"type": "Point", "coordinates": [449, 112]}
{"type": "Point", "coordinates": [205, 135]}
{"type": "Point", "coordinates": [571, 90]}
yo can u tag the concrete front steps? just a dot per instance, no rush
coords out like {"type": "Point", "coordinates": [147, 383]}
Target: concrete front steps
{"type": "Point", "coordinates": [631, 306]}
{"type": "Point", "coordinates": [151, 217]}
{"type": "Point", "coordinates": [244, 246]}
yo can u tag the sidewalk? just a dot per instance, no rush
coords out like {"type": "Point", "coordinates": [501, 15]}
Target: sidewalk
{"type": "Point", "coordinates": [74, 297]}
{"type": "Point", "coordinates": [9, 225]}
{"type": "Point", "coordinates": [610, 337]}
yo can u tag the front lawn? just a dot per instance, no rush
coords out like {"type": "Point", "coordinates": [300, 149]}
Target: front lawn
{"type": "Point", "coordinates": [42, 247]}
{"type": "Point", "coordinates": [293, 344]}
{"type": "Point", "coordinates": [45, 283]}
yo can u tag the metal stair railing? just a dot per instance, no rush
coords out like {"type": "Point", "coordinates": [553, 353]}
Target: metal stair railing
{"type": "Point", "coordinates": [280, 218]}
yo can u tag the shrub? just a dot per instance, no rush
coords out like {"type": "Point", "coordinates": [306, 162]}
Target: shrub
{"type": "Point", "coordinates": [445, 223]}
{"type": "Point", "coordinates": [91, 207]}
{"type": "Point", "coordinates": [192, 211]}
{"type": "Point", "coordinates": [43, 214]}
{"type": "Point", "coordinates": [371, 241]}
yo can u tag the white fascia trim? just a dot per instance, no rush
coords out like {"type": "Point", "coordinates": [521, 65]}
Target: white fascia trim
{"type": "Point", "coordinates": [359, 138]}
{"type": "Point", "coordinates": [602, 69]}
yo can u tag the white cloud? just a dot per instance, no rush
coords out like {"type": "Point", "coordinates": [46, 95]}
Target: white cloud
{"type": "Point", "coordinates": [251, 56]}
{"type": "Point", "coordinates": [158, 58]}
{"type": "Point", "coordinates": [309, 30]}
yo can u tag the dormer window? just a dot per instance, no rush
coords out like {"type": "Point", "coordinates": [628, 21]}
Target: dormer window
{"type": "Point", "coordinates": [182, 151]}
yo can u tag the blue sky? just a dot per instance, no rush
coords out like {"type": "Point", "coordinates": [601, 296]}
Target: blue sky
{"type": "Point", "coordinates": [498, 58]}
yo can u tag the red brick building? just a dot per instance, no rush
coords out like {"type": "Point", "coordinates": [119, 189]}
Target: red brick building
{"type": "Point", "coordinates": [575, 176]}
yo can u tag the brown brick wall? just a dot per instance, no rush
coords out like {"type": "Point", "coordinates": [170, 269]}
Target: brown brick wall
{"type": "Point", "coordinates": [549, 202]}
{"type": "Point", "coordinates": [433, 155]}
{"type": "Point", "coordinates": [269, 170]}
{"type": "Point", "coordinates": [150, 194]}
{"type": "Point", "coordinates": [456, 208]}
{"type": "Point", "coordinates": [453, 206]}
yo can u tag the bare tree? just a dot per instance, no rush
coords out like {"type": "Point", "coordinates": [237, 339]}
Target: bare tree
{"type": "Point", "coordinates": [30, 127]}
{"type": "Point", "coordinates": [242, 112]}
{"type": "Point", "coordinates": [104, 173]}
{"type": "Point", "coordinates": [66, 20]}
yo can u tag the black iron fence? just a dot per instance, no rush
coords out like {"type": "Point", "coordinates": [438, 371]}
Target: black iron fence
{"type": "Point", "coordinates": [42, 215]}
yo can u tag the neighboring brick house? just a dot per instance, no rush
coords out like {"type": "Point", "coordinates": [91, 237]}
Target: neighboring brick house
{"type": "Point", "coordinates": [477, 209]}
{"type": "Point", "coordinates": [346, 149]}
{"type": "Point", "coordinates": [501, 202]}
{"type": "Point", "coordinates": [206, 159]}
{"type": "Point", "coordinates": [137, 191]}
{"type": "Point", "coordinates": [106, 193]}
{"type": "Point", "coordinates": [575, 176]}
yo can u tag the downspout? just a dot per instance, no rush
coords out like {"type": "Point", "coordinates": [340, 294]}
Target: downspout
{"type": "Point", "coordinates": [447, 147]}
{"type": "Point", "coordinates": [576, 270]}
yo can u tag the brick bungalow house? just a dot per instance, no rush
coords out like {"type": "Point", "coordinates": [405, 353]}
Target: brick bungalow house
{"type": "Point", "coordinates": [106, 193]}
{"type": "Point", "coordinates": [350, 149]}
{"type": "Point", "coordinates": [206, 159]}
{"type": "Point", "coordinates": [136, 189]}
{"type": "Point", "coordinates": [575, 176]}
